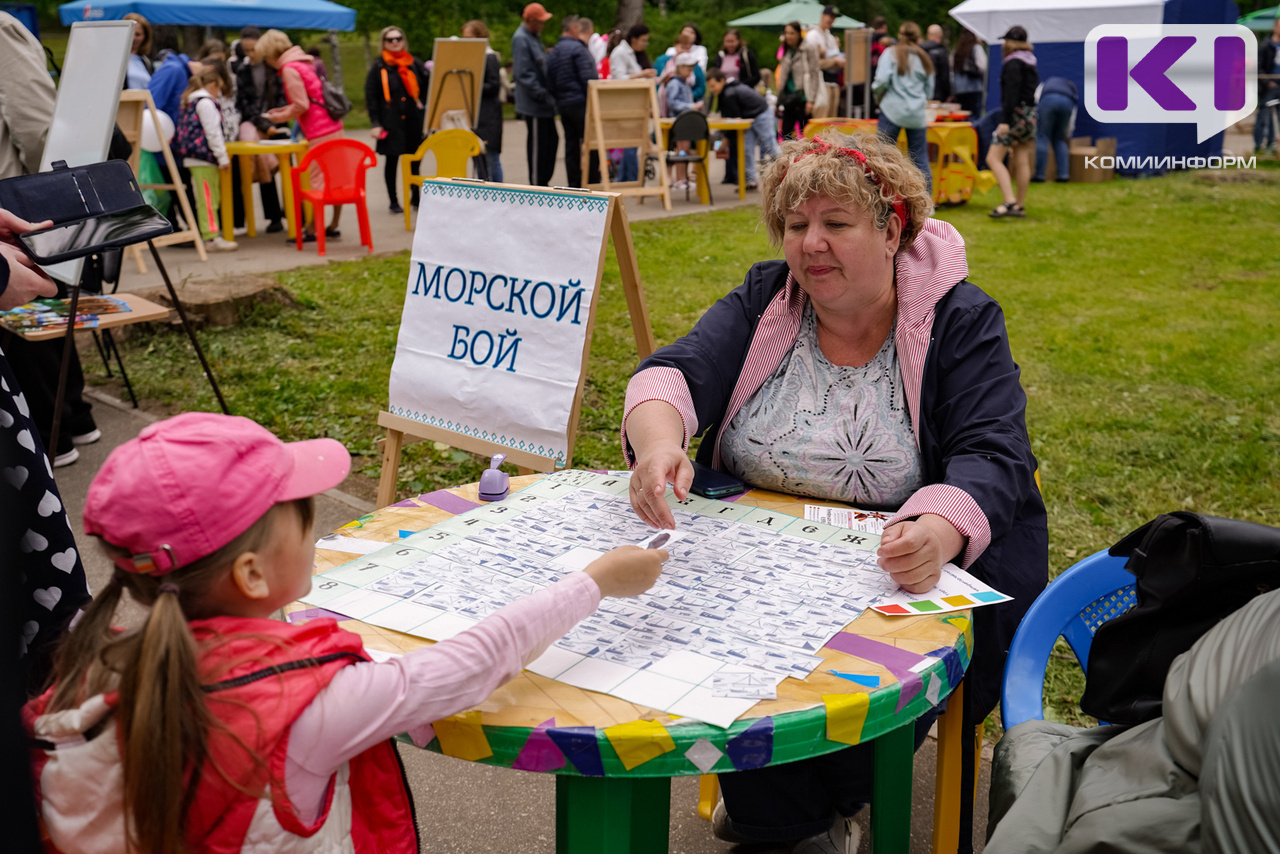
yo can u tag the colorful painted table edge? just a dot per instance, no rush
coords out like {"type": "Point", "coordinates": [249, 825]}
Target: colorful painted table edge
{"type": "Point", "coordinates": [624, 770]}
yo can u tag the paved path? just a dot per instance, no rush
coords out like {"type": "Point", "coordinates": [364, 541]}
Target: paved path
{"type": "Point", "coordinates": [268, 253]}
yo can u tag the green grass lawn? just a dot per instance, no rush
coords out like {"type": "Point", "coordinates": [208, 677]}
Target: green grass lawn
{"type": "Point", "coordinates": [1144, 315]}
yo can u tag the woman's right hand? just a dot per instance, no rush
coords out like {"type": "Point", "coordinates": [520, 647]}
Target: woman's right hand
{"type": "Point", "coordinates": [659, 463]}
{"type": "Point", "coordinates": [626, 570]}
{"type": "Point", "coordinates": [648, 72]}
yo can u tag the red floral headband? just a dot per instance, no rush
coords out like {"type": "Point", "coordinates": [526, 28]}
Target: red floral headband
{"type": "Point", "coordinates": [822, 147]}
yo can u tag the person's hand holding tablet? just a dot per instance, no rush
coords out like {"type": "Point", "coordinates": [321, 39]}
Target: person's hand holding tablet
{"type": "Point", "coordinates": [26, 281]}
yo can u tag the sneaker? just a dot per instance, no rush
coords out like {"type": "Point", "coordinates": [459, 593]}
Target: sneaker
{"type": "Point", "coordinates": [275, 227]}
{"type": "Point", "coordinates": [752, 185]}
{"type": "Point", "coordinates": [240, 232]}
{"type": "Point", "coordinates": [87, 438]}
{"type": "Point", "coordinates": [844, 837]}
{"type": "Point", "coordinates": [223, 245]}
{"type": "Point", "coordinates": [721, 829]}
{"type": "Point", "coordinates": [396, 209]}
{"type": "Point", "coordinates": [66, 459]}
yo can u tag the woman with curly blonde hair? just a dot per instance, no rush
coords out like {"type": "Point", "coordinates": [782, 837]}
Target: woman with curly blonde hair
{"type": "Point", "coordinates": [864, 368]}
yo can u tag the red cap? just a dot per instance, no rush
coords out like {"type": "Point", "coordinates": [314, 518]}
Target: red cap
{"type": "Point", "coordinates": [535, 12]}
{"type": "Point", "coordinates": [189, 485]}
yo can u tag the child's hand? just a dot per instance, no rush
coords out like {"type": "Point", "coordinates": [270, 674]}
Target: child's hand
{"type": "Point", "coordinates": [627, 570]}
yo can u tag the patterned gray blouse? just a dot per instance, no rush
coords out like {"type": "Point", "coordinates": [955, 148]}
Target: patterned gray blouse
{"type": "Point", "coordinates": [828, 431]}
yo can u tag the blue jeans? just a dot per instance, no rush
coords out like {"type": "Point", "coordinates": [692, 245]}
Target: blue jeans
{"type": "Point", "coordinates": [764, 133]}
{"type": "Point", "coordinates": [495, 167]}
{"type": "Point", "coordinates": [629, 169]}
{"type": "Point", "coordinates": [1055, 120]}
{"type": "Point", "coordinates": [1264, 128]}
{"type": "Point", "coordinates": [917, 146]}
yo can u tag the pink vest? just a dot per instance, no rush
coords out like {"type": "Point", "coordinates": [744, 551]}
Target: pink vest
{"type": "Point", "coordinates": [316, 121]}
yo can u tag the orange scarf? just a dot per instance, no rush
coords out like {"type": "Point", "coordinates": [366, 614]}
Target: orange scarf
{"type": "Point", "coordinates": [404, 60]}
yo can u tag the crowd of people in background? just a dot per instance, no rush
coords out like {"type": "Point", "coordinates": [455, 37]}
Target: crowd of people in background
{"type": "Point", "coordinates": [262, 85]}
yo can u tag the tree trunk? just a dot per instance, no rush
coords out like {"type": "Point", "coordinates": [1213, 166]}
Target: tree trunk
{"type": "Point", "coordinates": [336, 56]}
{"type": "Point", "coordinates": [630, 13]}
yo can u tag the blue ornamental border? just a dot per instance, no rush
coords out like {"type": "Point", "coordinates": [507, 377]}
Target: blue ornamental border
{"type": "Point", "coordinates": [531, 198]}
{"type": "Point", "coordinates": [467, 430]}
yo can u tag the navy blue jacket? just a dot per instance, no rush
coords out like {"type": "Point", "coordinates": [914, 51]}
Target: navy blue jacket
{"type": "Point", "coordinates": [1060, 86]}
{"type": "Point", "coordinates": [168, 83]}
{"type": "Point", "coordinates": [528, 67]}
{"type": "Point", "coordinates": [972, 435]}
{"type": "Point", "coordinates": [569, 67]}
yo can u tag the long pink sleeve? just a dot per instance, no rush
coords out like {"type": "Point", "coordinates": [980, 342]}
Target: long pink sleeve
{"type": "Point", "coordinates": [295, 92]}
{"type": "Point", "coordinates": [369, 702]}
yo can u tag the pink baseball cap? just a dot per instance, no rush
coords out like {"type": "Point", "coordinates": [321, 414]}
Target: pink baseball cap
{"type": "Point", "coordinates": [189, 485]}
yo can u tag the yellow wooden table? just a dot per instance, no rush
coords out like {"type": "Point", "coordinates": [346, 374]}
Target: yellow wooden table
{"type": "Point", "coordinates": [739, 125]}
{"type": "Point", "coordinates": [606, 803]}
{"type": "Point", "coordinates": [285, 150]}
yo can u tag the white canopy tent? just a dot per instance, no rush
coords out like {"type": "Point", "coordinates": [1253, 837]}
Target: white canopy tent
{"type": "Point", "coordinates": [1053, 20]}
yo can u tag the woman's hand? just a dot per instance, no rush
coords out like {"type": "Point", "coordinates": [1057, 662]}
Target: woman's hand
{"type": "Point", "coordinates": [26, 280]}
{"type": "Point", "coordinates": [627, 570]}
{"type": "Point", "coordinates": [648, 72]}
{"type": "Point", "coordinates": [660, 463]}
{"type": "Point", "coordinates": [808, 108]}
{"type": "Point", "coordinates": [914, 551]}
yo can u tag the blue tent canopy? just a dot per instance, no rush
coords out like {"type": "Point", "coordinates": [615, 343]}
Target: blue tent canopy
{"type": "Point", "coordinates": [231, 14]}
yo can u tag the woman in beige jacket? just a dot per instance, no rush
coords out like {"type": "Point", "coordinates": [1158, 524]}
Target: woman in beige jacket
{"type": "Point", "coordinates": [799, 80]}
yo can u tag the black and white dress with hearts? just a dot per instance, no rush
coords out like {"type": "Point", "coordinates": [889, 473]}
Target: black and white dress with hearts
{"type": "Point", "coordinates": [43, 584]}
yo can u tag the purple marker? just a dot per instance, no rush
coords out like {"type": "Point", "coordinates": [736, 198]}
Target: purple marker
{"type": "Point", "coordinates": [659, 541]}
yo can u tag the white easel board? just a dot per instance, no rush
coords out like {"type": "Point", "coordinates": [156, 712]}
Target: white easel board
{"type": "Point", "coordinates": [85, 113]}
{"type": "Point", "coordinates": [499, 306]}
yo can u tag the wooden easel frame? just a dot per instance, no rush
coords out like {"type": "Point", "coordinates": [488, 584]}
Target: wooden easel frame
{"type": "Point", "coordinates": [617, 126]}
{"type": "Point", "coordinates": [402, 431]}
{"type": "Point", "coordinates": [450, 61]}
{"type": "Point", "coordinates": [133, 106]}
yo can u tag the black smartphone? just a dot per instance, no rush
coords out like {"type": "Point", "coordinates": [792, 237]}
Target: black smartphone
{"type": "Point", "coordinates": [82, 237]}
{"type": "Point", "coordinates": [710, 483]}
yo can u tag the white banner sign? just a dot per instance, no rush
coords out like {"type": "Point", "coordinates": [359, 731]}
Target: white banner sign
{"type": "Point", "coordinates": [496, 312]}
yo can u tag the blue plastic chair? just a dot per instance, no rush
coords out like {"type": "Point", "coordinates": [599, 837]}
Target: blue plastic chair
{"type": "Point", "coordinates": [1074, 604]}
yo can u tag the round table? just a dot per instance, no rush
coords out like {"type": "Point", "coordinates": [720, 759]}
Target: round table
{"type": "Point", "coordinates": [621, 802]}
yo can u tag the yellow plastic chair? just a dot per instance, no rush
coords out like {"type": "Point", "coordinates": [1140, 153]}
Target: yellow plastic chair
{"type": "Point", "coordinates": [452, 148]}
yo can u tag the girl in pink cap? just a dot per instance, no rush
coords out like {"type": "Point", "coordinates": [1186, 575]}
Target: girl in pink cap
{"type": "Point", "coordinates": [213, 727]}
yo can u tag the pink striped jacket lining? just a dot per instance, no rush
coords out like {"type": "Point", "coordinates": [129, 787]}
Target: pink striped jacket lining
{"type": "Point", "coordinates": [926, 272]}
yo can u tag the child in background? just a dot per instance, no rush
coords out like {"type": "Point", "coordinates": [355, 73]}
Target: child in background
{"type": "Point", "coordinates": [211, 724]}
{"type": "Point", "coordinates": [201, 143]}
{"type": "Point", "coordinates": [679, 92]}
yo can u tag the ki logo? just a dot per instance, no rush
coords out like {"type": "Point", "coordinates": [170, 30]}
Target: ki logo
{"type": "Point", "coordinates": [1206, 75]}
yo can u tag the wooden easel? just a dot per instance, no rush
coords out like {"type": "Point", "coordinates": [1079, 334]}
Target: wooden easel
{"type": "Point", "coordinates": [133, 106]}
{"type": "Point", "coordinates": [462, 62]}
{"type": "Point", "coordinates": [625, 114]}
{"type": "Point", "coordinates": [402, 431]}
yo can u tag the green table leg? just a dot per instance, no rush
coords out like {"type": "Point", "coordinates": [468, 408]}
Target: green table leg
{"type": "Point", "coordinates": [612, 815]}
{"type": "Point", "coordinates": [891, 791]}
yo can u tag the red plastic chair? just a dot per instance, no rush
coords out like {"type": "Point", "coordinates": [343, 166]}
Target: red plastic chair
{"type": "Point", "coordinates": [343, 163]}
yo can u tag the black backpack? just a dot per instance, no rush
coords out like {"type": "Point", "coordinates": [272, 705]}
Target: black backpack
{"type": "Point", "coordinates": [1191, 571]}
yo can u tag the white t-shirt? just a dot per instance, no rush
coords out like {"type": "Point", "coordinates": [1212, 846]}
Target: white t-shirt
{"type": "Point", "coordinates": [825, 41]}
{"type": "Point", "coordinates": [699, 52]}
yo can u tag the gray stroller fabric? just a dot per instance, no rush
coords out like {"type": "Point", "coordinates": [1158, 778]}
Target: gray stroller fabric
{"type": "Point", "coordinates": [1204, 777]}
